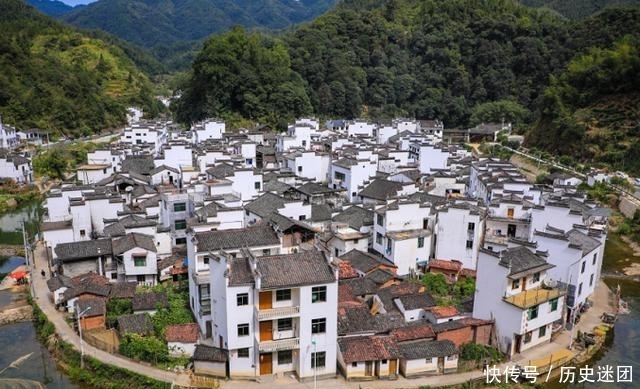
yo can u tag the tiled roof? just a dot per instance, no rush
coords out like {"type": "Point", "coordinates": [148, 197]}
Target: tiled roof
{"type": "Point", "coordinates": [184, 333]}
{"type": "Point", "coordinates": [57, 282]}
{"type": "Point", "coordinates": [90, 283]}
{"type": "Point", "coordinates": [413, 332]}
{"type": "Point", "coordinates": [123, 289]}
{"type": "Point", "coordinates": [346, 271]}
{"type": "Point", "coordinates": [210, 354]}
{"type": "Point", "coordinates": [287, 270]}
{"type": "Point", "coordinates": [149, 301]}
{"type": "Point", "coordinates": [359, 320]}
{"type": "Point", "coordinates": [421, 349]}
{"type": "Point", "coordinates": [53, 226]}
{"type": "Point", "coordinates": [131, 241]}
{"type": "Point", "coordinates": [261, 235]}
{"type": "Point", "coordinates": [579, 238]}
{"type": "Point", "coordinates": [443, 312]}
{"type": "Point", "coordinates": [448, 326]}
{"type": "Point", "coordinates": [521, 260]}
{"type": "Point", "coordinates": [380, 276]}
{"type": "Point", "coordinates": [239, 272]}
{"type": "Point", "coordinates": [98, 306]}
{"type": "Point", "coordinates": [369, 348]}
{"type": "Point", "coordinates": [137, 323]}
{"type": "Point", "coordinates": [313, 188]}
{"type": "Point", "coordinates": [265, 205]}
{"type": "Point", "coordinates": [381, 189]}
{"type": "Point", "coordinates": [364, 262]}
{"type": "Point", "coordinates": [361, 286]}
{"type": "Point", "coordinates": [417, 301]}
{"type": "Point", "coordinates": [130, 221]}
{"type": "Point", "coordinates": [320, 212]}
{"type": "Point", "coordinates": [142, 164]}
{"type": "Point", "coordinates": [445, 265]}
{"type": "Point", "coordinates": [72, 251]}
{"type": "Point", "coordinates": [355, 217]}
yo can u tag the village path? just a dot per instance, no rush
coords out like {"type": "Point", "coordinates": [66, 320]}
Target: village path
{"type": "Point", "coordinates": [602, 299]}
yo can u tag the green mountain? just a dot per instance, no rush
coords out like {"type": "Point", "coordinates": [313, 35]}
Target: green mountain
{"type": "Point", "coordinates": [578, 9]}
{"type": "Point", "coordinates": [58, 79]}
{"type": "Point", "coordinates": [50, 7]}
{"type": "Point", "coordinates": [169, 27]}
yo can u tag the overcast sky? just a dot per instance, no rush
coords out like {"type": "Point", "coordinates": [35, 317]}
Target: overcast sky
{"type": "Point", "coordinates": [76, 2]}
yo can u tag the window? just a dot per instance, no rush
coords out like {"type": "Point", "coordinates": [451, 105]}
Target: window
{"type": "Point", "coordinates": [180, 224]}
{"type": "Point", "coordinates": [83, 232]}
{"type": "Point", "coordinates": [302, 217]}
{"type": "Point", "coordinates": [179, 207]}
{"type": "Point", "coordinates": [206, 260]}
{"type": "Point", "coordinates": [114, 276]}
{"type": "Point", "coordinates": [515, 284]}
{"type": "Point", "coordinates": [532, 313]}
{"type": "Point", "coordinates": [139, 260]}
{"type": "Point", "coordinates": [451, 358]}
{"type": "Point", "coordinates": [553, 305]}
{"type": "Point", "coordinates": [266, 251]}
{"type": "Point", "coordinates": [339, 176]}
{"type": "Point", "coordinates": [256, 185]}
{"type": "Point", "coordinates": [141, 278]}
{"type": "Point", "coordinates": [420, 242]}
{"type": "Point", "coordinates": [469, 244]}
{"type": "Point", "coordinates": [285, 357]}
{"type": "Point", "coordinates": [318, 294]}
{"type": "Point", "coordinates": [299, 169]}
{"type": "Point", "coordinates": [580, 289]}
{"type": "Point", "coordinates": [318, 359]}
{"type": "Point", "coordinates": [378, 238]}
{"type": "Point", "coordinates": [204, 291]}
{"type": "Point", "coordinates": [542, 332]}
{"type": "Point", "coordinates": [283, 294]}
{"type": "Point", "coordinates": [595, 258]}
{"type": "Point", "coordinates": [591, 280]}
{"type": "Point", "coordinates": [536, 277]}
{"type": "Point", "coordinates": [471, 227]}
{"type": "Point", "coordinates": [243, 329]}
{"type": "Point", "coordinates": [285, 324]}
{"type": "Point", "coordinates": [319, 326]}
{"type": "Point", "coordinates": [243, 353]}
{"type": "Point", "coordinates": [527, 337]}
{"type": "Point", "coordinates": [354, 364]}
{"type": "Point", "coordinates": [384, 362]}
{"type": "Point", "coordinates": [181, 241]}
{"type": "Point", "coordinates": [584, 263]}
{"type": "Point", "coordinates": [428, 360]}
{"type": "Point", "coordinates": [242, 299]}
{"type": "Point", "coordinates": [380, 220]}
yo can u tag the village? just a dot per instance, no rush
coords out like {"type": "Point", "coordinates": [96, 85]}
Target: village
{"type": "Point", "coordinates": [351, 248]}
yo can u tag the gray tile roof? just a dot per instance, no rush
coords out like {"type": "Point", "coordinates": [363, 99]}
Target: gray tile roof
{"type": "Point", "coordinates": [265, 205]}
{"type": "Point", "coordinates": [221, 171]}
{"type": "Point", "coordinates": [142, 164]}
{"type": "Point", "coordinates": [130, 221]}
{"type": "Point", "coordinates": [364, 262]}
{"type": "Point", "coordinates": [355, 217]}
{"type": "Point", "coordinates": [359, 320]}
{"type": "Point", "coordinates": [421, 349]}
{"type": "Point", "coordinates": [361, 286]}
{"type": "Point", "coordinates": [123, 289]}
{"type": "Point", "coordinates": [98, 306]}
{"type": "Point", "coordinates": [380, 189]}
{"type": "Point", "coordinates": [239, 272]}
{"type": "Point", "coordinates": [583, 240]}
{"type": "Point", "coordinates": [131, 241]}
{"type": "Point", "coordinates": [417, 301]}
{"type": "Point", "coordinates": [320, 212]}
{"type": "Point", "coordinates": [313, 188]}
{"type": "Point", "coordinates": [57, 282]}
{"type": "Point", "coordinates": [52, 226]}
{"type": "Point", "coordinates": [290, 270]}
{"type": "Point", "coordinates": [149, 301]}
{"type": "Point", "coordinates": [521, 261]}
{"type": "Point", "coordinates": [139, 323]}
{"type": "Point", "coordinates": [210, 354]}
{"type": "Point", "coordinates": [72, 251]}
{"type": "Point", "coordinates": [447, 326]}
{"type": "Point", "coordinates": [258, 236]}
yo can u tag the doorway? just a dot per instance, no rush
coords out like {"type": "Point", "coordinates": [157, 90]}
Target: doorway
{"type": "Point", "coordinates": [266, 363]}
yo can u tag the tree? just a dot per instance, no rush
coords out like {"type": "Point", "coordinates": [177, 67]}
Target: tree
{"type": "Point", "coordinates": [53, 163]}
{"type": "Point", "coordinates": [436, 284]}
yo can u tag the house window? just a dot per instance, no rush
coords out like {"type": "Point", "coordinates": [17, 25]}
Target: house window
{"type": "Point", "coordinates": [302, 217]}
{"type": "Point", "coordinates": [179, 207]}
{"type": "Point", "coordinates": [206, 260]}
{"type": "Point", "coordinates": [515, 284]}
{"type": "Point", "coordinates": [242, 299]}
{"type": "Point", "coordinates": [299, 169]}
{"type": "Point", "coordinates": [378, 238]}
{"type": "Point", "coordinates": [420, 242]}
{"type": "Point", "coordinates": [243, 353]}
{"type": "Point", "coordinates": [451, 358]}
{"type": "Point", "coordinates": [180, 224]}
{"type": "Point", "coordinates": [318, 326]}
{"type": "Point", "coordinates": [204, 292]}
{"type": "Point", "coordinates": [139, 260]}
{"type": "Point", "coordinates": [553, 305]}
{"type": "Point", "coordinates": [285, 357]}
{"type": "Point", "coordinates": [471, 227]}
{"type": "Point", "coordinates": [354, 364]}
{"type": "Point", "coordinates": [542, 332]}
{"type": "Point", "coordinates": [256, 185]}
{"type": "Point", "coordinates": [285, 324]}
{"type": "Point", "coordinates": [532, 313]}
{"type": "Point", "coordinates": [580, 289]}
{"type": "Point", "coordinates": [246, 212]}
{"type": "Point", "coordinates": [114, 276]}
{"type": "Point", "coordinates": [83, 233]}
{"type": "Point", "coordinates": [339, 176]}
{"type": "Point", "coordinates": [318, 294]}
{"type": "Point", "coordinates": [141, 278]}
{"type": "Point", "coordinates": [591, 280]}
{"type": "Point", "coordinates": [181, 241]}
{"type": "Point", "coordinates": [283, 294]}
{"type": "Point", "coordinates": [384, 362]}
{"type": "Point", "coordinates": [584, 263]}
{"type": "Point", "coordinates": [428, 361]}
{"type": "Point", "coordinates": [469, 244]}
{"type": "Point", "coordinates": [266, 251]}
{"type": "Point", "coordinates": [318, 359]}
{"type": "Point", "coordinates": [595, 258]}
{"type": "Point", "coordinates": [527, 337]}
{"type": "Point", "coordinates": [243, 329]}
{"type": "Point", "coordinates": [536, 277]}
{"type": "Point", "coordinates": [380, 220]}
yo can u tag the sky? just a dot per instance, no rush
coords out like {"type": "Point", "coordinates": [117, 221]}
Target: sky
{"type": "Point", "coordinates": [76, 2]}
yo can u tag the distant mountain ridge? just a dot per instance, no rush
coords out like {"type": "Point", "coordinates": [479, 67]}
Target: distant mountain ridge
{"type": "Point", "coordinates": [578, 9]}
{"type": "Point", "coordinates": [51, 7]}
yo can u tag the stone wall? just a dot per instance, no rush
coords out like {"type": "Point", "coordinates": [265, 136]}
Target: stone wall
{"type": "Point", "coordinates": [16, 315]}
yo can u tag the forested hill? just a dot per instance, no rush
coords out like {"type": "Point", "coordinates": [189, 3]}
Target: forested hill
{"type": "Point", "coordinates": [578, 9]}
{"type": "Point", "coordinates": [170, 27]}
{"type": "Point", "coordinates": [58, 79]}
{"type": "Point", "coordinates": [462, 61]}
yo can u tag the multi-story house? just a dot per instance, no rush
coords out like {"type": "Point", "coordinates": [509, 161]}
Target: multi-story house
{"type": "Point", "coordinates": [459, 230]}
{"type": "Point", "coordinates": [202, 247]}
{"type": "Point", "coordinates": [151, 134]}
{"type": "Point", "coordinates": [8, 137]}
{"type": "Point", "coordinates": [135, 260]}
{"type": "Point", "coordinates": [507, 217]}
{"type": "Point", "coordinates": [308, 164]}
{"type": "Point", "coordinates": [402, 234]}
{"type": "Point", "coordinates": [276, 314]}
{"type": "Point", "coordinates": [511, 289]}
{"type": "Point", "coordinates": [16, 167]}
{"type": "Point", "coordinates": [175, 209]}
{"type": "Point", "coordinates": [350, 174]}
{"type": "Point", "coordinates": [208, 129]}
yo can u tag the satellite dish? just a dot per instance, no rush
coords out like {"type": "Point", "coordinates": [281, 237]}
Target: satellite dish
{"type": "Point", "coordinates": [128, 189]}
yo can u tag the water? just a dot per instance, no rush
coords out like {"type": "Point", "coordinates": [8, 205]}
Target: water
{"type": "Point", "coordinates": [11, 223]}
{"type": "Point", "coordinates": [623, 348]}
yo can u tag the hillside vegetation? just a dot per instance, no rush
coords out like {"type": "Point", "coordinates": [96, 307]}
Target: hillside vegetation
{"type": "Point", "coordinates": [57, 79]}
{"type": "Point", "coordinates": [578, 9]}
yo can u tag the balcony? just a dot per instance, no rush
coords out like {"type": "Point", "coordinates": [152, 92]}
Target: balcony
{"type": "Point", "coordinates": [278, 345]}
{"type": "Point", "coordinates": [532, 297]}
{"type": "Point", "coordinates": [200, 277]}
{"type": "Point", "coordinates": [277, 313]}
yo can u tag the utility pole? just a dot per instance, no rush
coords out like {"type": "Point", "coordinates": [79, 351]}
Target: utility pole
{"type": "Point", "coordinates": [315, 363]}
{"type": "Point", "coordinates": [79, 315]}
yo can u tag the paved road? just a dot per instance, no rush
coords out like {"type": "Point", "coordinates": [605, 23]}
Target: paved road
{"type": "Point", "coordinates": [602, 299]}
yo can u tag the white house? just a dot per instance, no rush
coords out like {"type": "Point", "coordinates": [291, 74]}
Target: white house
{"type": "Point", "coordinates": [276, 314]}
{"type": "Point", "coordinates": [459, 228]}
{"type": "Point", "coordinates": [511, 289]}
{"type": "Point", "coordinates": [350, 174]}
{"type": "Point", "coordinates": [309, 164]}
{"type": "Point", "coordinates": [94, 173]}
{"type": "Point", "coordinates": [16, 167]}
{"type": "Point", "coordinates": [208, 129]}
{"type": "Point", "coordinates": [8, 137]}
{"type": "Point", "coordinates": [136, 260]}
{"type": "Point", "coordinates": [428, 357]}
